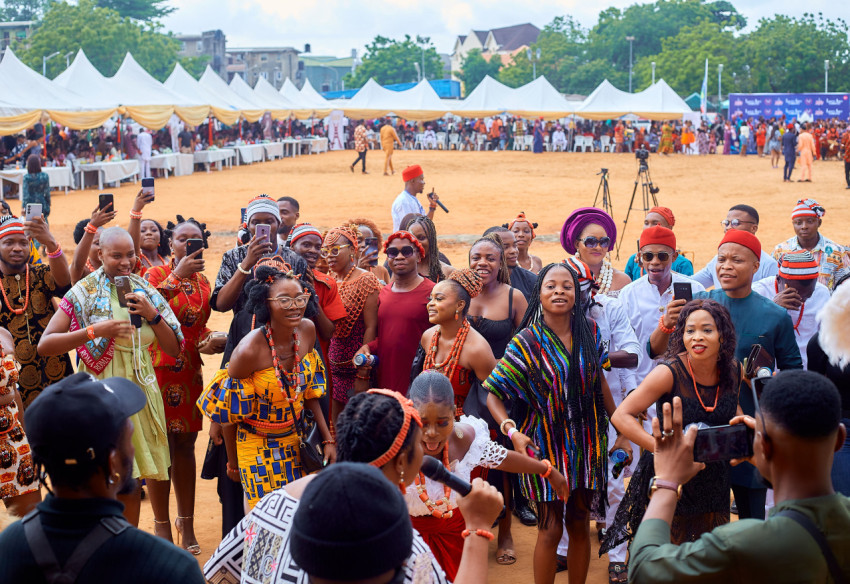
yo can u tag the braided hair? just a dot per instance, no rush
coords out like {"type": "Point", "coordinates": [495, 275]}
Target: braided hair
{"type": "Point", "coordinates": [257, 290]}
{"type": "Point", "coordinates": [431, 387]}
{"type": "Point", "coordinates": [372, 227]}
{"type": "Point", "coordinates": [163, 248]}
{"type": "Point", "coordinates": [435, 269]}
{"type": "Point", "coordinates": [467, 285]}
{"type": "Point", "coordinates": [367, 427]}
{"type": "Point", "coordinates": [504, 275]}
{"type": "Point", "coordinates": [170, 228]}
{"type": "Point", "coordinates": [583, 331]}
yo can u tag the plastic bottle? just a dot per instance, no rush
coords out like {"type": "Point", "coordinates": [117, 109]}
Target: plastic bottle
{"type": "Point", "coordinates": [620, 458]}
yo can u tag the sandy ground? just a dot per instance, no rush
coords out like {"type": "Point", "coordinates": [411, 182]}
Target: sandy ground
{"type": "Point", "coordinates": [481, 189]}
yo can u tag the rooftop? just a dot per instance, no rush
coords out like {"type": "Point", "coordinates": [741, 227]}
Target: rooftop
{"type": "Point", "coordinates": [262, 50]}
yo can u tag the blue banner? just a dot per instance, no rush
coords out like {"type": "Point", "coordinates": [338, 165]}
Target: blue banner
{"type": "Point", "coordinates": [816, 106]}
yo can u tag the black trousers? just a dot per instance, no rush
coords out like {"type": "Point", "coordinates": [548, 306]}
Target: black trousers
{"type": "Point", "coordinates": [750, 502]}
{"type": "Point", "coordinates": [789, 168]}
{"type": "Point", "coordinates": [847, 173]}
{"type": "Point", "coordinates": [360, 156]}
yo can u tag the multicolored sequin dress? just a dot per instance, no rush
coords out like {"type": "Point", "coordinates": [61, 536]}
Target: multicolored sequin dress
{"type": "Point", "coordinates": [181, 380]}
{"type": "Point", "coordinates": [266, 440]}
{"type": "Point", "coordinates": [17, 472]}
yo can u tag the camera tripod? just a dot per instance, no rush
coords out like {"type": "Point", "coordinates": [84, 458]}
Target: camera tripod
{"type": "Point", "coordinates": [607, 204]}
{"type": "Point", "coordinates": [648, 200]}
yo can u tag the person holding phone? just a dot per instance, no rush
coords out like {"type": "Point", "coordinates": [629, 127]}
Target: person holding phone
{"type": "Point", "coordinates": [94, 318]}
{"type": "Point", "coordinates": [183, 284]}
{"type": "Point", "coordinates": [152, 247]}
{"type": "Point", "coordinates": [369, 243]}
{"type": "Point", "coordinates": [554, 365]}
{"type": "Point", "coordinates": [461, 444]}
{"type": "Point", "coordinates": [87, 237]}
{"type": "Point", "coordinates": [700, 368]}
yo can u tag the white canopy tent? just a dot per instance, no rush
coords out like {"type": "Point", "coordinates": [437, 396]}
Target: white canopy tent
{"type": "Point", "coordinates": [539, 99]}
{"type": "Point", "coordinates": [657, 102]}
{"type": "Point", "coordinates": [420, 103]}
{"type": "Point", "coordinates": [660, 102]}
{"type": "Point", "coordinates": [490, 98]}
{"type": "Point", "coordinates": [81, 77]}
{"type": "Point", "coordinates": [243, 90]}
{"type": "Point", "coordinates": [307, 99]}
{"type": "Point", "coordinates": [250, 110]}
{"type": "Point", "coordinates": [371, 101]}
{"type": "Point", "coordinates": [266, 93]}
{"type": "Point", "coordinates": [184, 84]}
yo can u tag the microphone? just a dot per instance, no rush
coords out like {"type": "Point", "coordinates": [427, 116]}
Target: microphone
{"type": "Point", "coordinates": [434, 470]}
{"type": "Point", "coordinates": [442, 206]}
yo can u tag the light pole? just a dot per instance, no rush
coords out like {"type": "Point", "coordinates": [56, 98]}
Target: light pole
{"type": "Point", "coordinates": [418, 71]}
{"type": "Point", "coordinates": [719, 88]}
{"type": "Point", "coordinates": [68, 58]}
{"type": "Point", "coordinates": [826, 76]}
{"type": "Point", "coordinates": [653, 72]}
{"type": "Point", "coordinates": [44, 61]}
{"type": "Point", "coordinates": [531, 57]}
{"type": "Point", "coordinates": [631, 41]}
{"type": "Point", "coordinates": [422, 41]}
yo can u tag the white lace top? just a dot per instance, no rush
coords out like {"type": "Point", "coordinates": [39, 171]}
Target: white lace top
{"type": "Point", "coordinates": [482, 452]}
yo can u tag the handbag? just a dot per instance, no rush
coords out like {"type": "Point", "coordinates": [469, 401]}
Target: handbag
{"type": "Point", "coordinates": [309, 438]}
{"type": "Point", "coordinates": [757, 359]}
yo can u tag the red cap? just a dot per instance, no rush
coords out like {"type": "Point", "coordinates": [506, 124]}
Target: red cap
{"type": "Point", "coordinates": [744, 238]}
{"type": "Point", "coordinates": [658, 235]}
{"type": "Point", "coordinates": [411, 172]}
{"type": "Point", "coordinates": [666, 213]}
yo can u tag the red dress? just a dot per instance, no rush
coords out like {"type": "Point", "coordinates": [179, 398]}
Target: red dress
{"type": "Point", "coordinates": [180, 380]}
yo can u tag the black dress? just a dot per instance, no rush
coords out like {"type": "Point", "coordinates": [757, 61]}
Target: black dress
{"type": "Point", "coordinates": [705, 498]}
{"type": "Point", "coordinates": [497, 333]}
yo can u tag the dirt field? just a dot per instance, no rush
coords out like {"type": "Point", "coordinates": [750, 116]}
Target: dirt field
{"type": "Point", "coordinates": [481, 189]}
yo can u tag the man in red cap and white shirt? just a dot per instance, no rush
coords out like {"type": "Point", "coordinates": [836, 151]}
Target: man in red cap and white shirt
{"type": "Point", "coordinates": [806, 218]}
{"type": "Point", "coordinates": [406, 202]}
{"type": "Point", "coordinates": [796, 289]}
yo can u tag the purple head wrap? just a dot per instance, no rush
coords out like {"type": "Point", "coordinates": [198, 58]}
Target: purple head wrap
{"type": "Point", "coordinates": [581, 218]}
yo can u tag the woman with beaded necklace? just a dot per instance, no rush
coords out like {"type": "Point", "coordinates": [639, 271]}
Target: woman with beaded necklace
{"type": "Point", "coordinates": [153, 244]}
{"type": "Point", "coordinates": [359, 290]}
{"type": "Point", "coordinates": [273, 371]}
{"type": "Point", "coordinates": [523, 230]}
{"type": "Point", "coordinates": [589, 234]}
{"type": "Point", "coordinates": [461, 445]}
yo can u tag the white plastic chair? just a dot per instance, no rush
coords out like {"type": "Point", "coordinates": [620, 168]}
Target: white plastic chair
{"type": "Point", "coordinates": [454, 141]}
{"type": "Point", "coordinates": [607, 145]}
{"type": "Point", "coordinates": [418, 144]}
{"type": "Point", "coordinates": [441, 140]}
{"type": "Point", "coordinates": [481, 141]}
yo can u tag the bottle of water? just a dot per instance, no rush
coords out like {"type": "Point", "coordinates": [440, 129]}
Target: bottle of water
{"type": "Point", "coordinates": [620, 457]}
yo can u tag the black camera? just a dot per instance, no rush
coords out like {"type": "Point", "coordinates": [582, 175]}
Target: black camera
{"type": "Point", "coordinates": [642, 153]}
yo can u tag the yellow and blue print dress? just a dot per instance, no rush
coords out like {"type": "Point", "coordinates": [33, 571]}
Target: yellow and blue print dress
{"type": "Point", "coordinates": [266, 440]}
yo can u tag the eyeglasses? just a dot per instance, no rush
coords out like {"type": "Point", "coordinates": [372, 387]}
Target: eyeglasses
{"type": "Point", "coordinates": [288, 301]}
{"type": "Point", "coordinates": [591, 241]}
{"type": "Point", "coordinates": [648, 256]}
{"type": "Point", "coordinates": [734, 223]}
{"type": "Point", "coordinates": [332, 251]}
{"type": "Point", "coordinates": [406, 251]}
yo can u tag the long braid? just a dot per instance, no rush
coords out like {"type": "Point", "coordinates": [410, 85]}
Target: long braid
{"type": "Point", "coordinates": [435, 269]}
{"type": "Point", "coordinates": [367, 427]}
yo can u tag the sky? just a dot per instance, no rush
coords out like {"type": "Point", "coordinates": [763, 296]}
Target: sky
{"type": "Point", "coordinates": [334, 27]}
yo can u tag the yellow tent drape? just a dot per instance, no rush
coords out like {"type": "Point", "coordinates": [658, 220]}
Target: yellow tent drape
{"type": "Point", "coordinates": [82, 120]}
{"type": "Point", "coordinates": [226, 116]}
{"type": "Point", "coordinates": [19, 123]}
{"type": "Point", "coordinates": [153, 117]}
{"type": "Point", "coordinates": [193, 115]}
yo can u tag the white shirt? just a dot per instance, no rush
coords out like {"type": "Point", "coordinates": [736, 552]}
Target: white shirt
{"type": "Point", "coordinates": [617, 335]}
{"type": "Point", "coordinates": [145, 142]}
{"type": "Point", "coordinates": [644, 305]}
{"type": "Point", "coordinates": [808, 325]}
{"type": "Point", "coordinates": [708, 275]}
{"type": "Point", "coordinates": [405, 203]}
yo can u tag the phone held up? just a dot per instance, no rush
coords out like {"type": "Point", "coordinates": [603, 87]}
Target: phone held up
{"type": "Point", "coordinates": [123, 287]}
{"type": "Point", "coordinates": [148, 189]}
{"type": "Point", "coordinates": [682, 291]}
{"type": "Point", "coordinates": [33, 211]}
{"type": "Point", "coordinates": [371, 248]}
{"type": "Point", "coordinates": [105, 200]}
{"type": "Point", "coordinates": [193, 245]}
{"type": "Point", "coordinates": [722, 443]}
{"type": "Point", "coordinates": [263, 232]}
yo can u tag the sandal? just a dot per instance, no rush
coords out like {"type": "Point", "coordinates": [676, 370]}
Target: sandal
{"type": "Point", "coordinates": [194, 549]}
{"type": "Point", "coordinates": [505, 557]}
{"type": "Point", "coordinates": [617, 572]}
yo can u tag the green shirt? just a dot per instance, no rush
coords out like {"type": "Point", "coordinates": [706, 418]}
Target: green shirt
{"type": "Point", "coordinates": [747, 551]}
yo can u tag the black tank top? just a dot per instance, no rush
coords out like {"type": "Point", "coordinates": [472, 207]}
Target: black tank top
{"type": "Point", "coordinates": [497, 333]}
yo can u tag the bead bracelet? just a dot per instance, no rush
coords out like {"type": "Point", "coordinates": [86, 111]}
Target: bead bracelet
{"type": "Point", "coordinates": [479, 532]}
{"type": "Point", "coordinates": [55, 254]}
{"type": "Point", "coordinates": [135, 214]}
{"type": "Point", "coordinates": [548, 472]}
{"type": "Point", "coordinates": [664, 329]}
{"type": "Point", "coordinates": [502, 425]}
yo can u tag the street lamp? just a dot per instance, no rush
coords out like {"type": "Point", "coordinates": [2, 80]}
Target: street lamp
{"type": "Point", "coordinates": [533, 61]}
{"type": "Point", "coordinates": [44, 61]}
{"type": "Point", "coordinates": [719, 88]}
{"type": "Point", "coordinates": [68, 58]}
{"type": "Point", "coordinates": [418, 71]}
{"type": "Point", "coordinates": [826, 76]}
{"type": "Point", "coordinates": [423, 42]}
{"type": "Point", "coordinates": [653, 72]}
{"type": "Point", "coordinates": [631, 40]}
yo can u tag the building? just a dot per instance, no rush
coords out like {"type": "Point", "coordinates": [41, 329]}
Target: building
{"type": "Point", "coordinates": [210, 44]}
{"type": "Point", "coordinates": [274, 64]}
{"type": "Point", "coordinates": [16, 31]}
{"type": "Point", "coordinates": [504, 42]}
{"type": "Point", "coordinates": [324, 73]}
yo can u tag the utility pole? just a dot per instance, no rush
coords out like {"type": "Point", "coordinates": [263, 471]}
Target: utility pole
{"type": "Point", "coordinates": [826, 76]}
{"type": "Point", "coordinates": [631, 41]}
{"type": "Point", "coordinates": [653, 72]}
{"type": "Point", "coordinates": [719, 88]}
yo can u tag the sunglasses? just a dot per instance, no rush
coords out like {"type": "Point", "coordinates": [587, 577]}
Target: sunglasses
{"type": "Point", "coordinates": [648, 256]}
{"type": "Point", "coordinates": [734, 223]}
{"type": "Point", "coordinates": [406, 251]}
{"type": "Point", "coordinates": [332, 251]}
{"type": "Point", "coordinates": [287, 302]}
{"type": "Point", "coordinates": [591, 241]}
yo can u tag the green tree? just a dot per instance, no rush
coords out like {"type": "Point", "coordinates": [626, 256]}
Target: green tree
{"type": "Point", "coordinates": [391, 61]}
{"type": "Point", "coordinates": [18, 10]}
{"type": "Point", "coordinates": [139, 9]}
{"type": "Point", "coordinates": [474, 68]}
{"type": "Point", "coordinates": [194, 66]}
{"type": "Point", "coordinates": [104, 35]}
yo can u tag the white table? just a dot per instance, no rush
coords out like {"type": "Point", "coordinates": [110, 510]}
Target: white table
{"type": "Point", "coordinates": [209, 157]}
{"type": "Point", "coordinates": [315, 145]}
{"type": "Point", "coordinates": [109, 172]}
{"type": "Point", "coordinates": [294, 145]}
{"type": "Point", "coordinates": [164, 162]}
{"type": "Point", "coordinates": [175, 162]}
{"type": "Point", "coordinates": [273, 150]}
{"type": "Point", "coordinates": [59, 177]}
{"type": "Point", "coordinates": [249, 153]}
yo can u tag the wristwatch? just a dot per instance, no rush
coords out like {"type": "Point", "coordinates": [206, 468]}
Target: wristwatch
{"type": "Point", "coordinates": [656, 483]}
{"type": "Point", "coordinates": [155, 320]}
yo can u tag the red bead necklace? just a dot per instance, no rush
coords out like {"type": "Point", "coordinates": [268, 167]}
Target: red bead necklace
{"type": "Point", "coordinates": [18, 311]}
{"type": "Point", "coordinates": [696, 391]}
{"type": "Point", "coordinates": [291, 378]}
{"type": "Point", "coordinates": [347, 274]}
{"type": "Point", "coordinates": [450, 364]}
{"type": "Point", "coordinates": [145, 260]}
{"type": "Point", "coordinates": [447, 492]}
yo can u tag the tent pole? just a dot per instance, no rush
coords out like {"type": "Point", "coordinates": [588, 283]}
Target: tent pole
{"type": "Point", "coordinates": [209, 131]}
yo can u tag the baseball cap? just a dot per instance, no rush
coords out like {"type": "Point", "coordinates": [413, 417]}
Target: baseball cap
{"type": "Point", "coordinates": [79, 419]}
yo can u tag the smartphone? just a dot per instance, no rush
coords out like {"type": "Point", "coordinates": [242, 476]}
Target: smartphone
{"type": "Point", "coordinates": [147, 188]}
{"type": "Point", "coordinates": [105, 199]}
{"type": "Point", "coordinates": [242, 216]}
{"type": "Point", "coordinates": [721, 443]}
{"type": "Point", "coordinates": [371, 247]}
{"type": "Point", "coordinates": [533, 450]}
{"type": "Point", "coordinates": [33, 211]}
{"type": "Point", "coordinates": [682, 291]}
{"type": "Point", "coordinates": [122, 285]}
{"type": "Point", "coordinates": [193, 245]}
{"type": "Point", "coordinates": [263, 232]}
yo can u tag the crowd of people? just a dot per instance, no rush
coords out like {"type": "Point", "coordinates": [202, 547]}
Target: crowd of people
{"type": "Point", "coordinates": [355, 362]}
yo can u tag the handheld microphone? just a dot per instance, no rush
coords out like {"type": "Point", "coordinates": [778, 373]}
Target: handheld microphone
{"type": "Point", "coordinates": [442, 206]}
{"type": "Point", "coordinates": [434, 470]}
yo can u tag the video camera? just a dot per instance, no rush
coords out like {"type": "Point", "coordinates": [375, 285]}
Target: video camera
{"type": "Point", "coordinates": [642, 154]}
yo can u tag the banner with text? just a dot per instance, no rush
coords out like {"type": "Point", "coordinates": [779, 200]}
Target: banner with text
{"type": "Point", "coordinates": [802, 106]}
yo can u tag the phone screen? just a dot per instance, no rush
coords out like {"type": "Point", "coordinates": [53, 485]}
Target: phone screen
{"type": "Point", "coordinates": [371, 248]}
{"type": "Point", "coordinates": [193, 245]}
{"type": "Point", "coordinates": [263, 231]}
{"type": "Point", "coordinates": [148, 188]}
{"type": "Point", "coordinates": [105, 199]}
{"type": "Point", "coordinates": [682, 291]}
{"type": "Point", "coordinates": [720, 443]}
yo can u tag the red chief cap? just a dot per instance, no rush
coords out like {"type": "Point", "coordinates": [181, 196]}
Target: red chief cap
{"type": "Point", "coordinates": [411, 172]}
{"type": "Point", "coordinates": [744, 238]}
{"type": "Point", "coordinates": [658, 235]}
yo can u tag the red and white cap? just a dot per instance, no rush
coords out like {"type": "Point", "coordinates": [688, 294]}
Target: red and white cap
{"type": "Point", "coordinates": [807, 208]}
{"type": "Point", "coordinates": [799, 265]}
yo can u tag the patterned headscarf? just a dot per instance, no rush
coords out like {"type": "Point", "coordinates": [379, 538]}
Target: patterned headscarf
{"type": "Point", "coordinates": [261, 204]}
{"type": "Point", "coordinates": [469, 280]}
{"type": "Point", "coordinates": [807, 208]}
{"type": "Point", "coordinates": [520, 219]}
{"type": "Point", "coordinates": [11, 225]}
{"type": "Point", "coordinates": [349, 232]}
